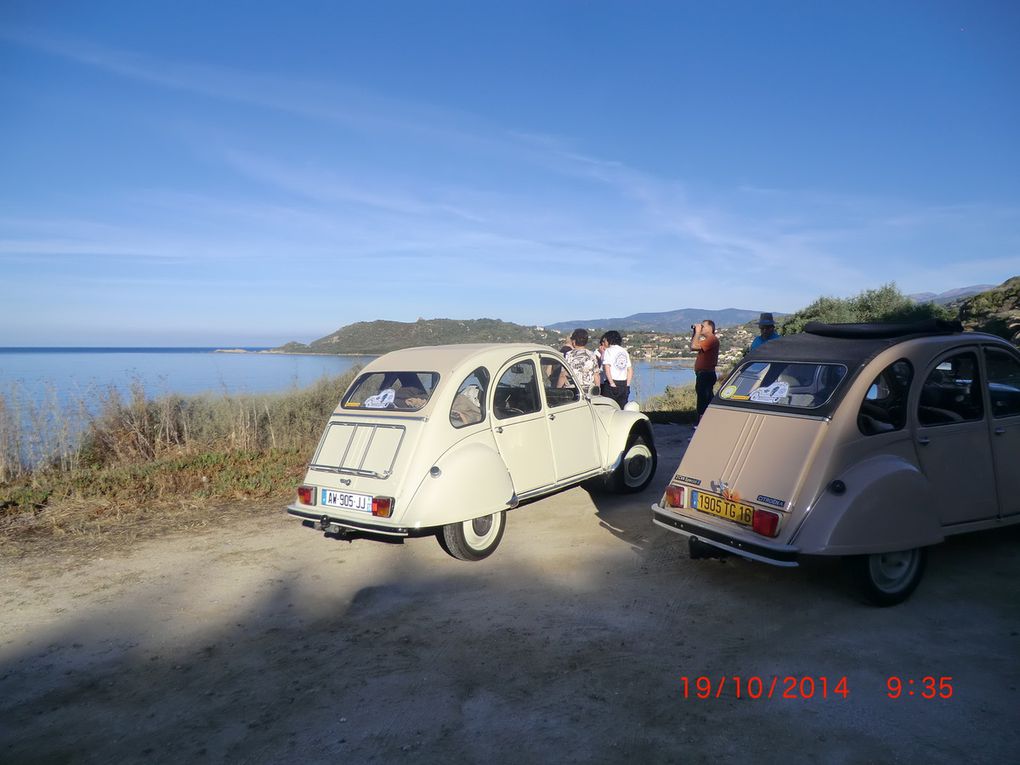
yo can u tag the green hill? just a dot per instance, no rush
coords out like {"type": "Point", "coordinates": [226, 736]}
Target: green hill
{"type": "Point", "coordinates": [996, 310]}
{"type": "Point", "coordinates": [378, 337]}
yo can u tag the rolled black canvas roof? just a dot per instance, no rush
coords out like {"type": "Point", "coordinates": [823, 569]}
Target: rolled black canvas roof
{"type": "Point", "coordinates": [852, 345]}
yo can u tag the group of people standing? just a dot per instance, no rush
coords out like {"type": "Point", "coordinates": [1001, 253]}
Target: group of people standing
{"type": "Point", "coordinates": [609, 368]}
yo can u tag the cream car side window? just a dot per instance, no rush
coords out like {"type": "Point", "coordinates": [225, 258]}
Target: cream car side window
{"type": "Point", "coordinates": [468, 406]}
{"type": "Point", "coordinates": [559, 385]}
{"type": "Point", "coordinates": [517, 391]}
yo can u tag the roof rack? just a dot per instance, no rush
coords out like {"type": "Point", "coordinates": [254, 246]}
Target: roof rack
{"type": "Point", "coordinates": [879, 330]}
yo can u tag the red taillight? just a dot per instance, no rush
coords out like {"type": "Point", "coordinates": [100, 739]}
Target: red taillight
{"type": "Point", "coordinates": [382, 506]}
{"type": "Point", "coordinates": [674, 496]}
{"type": "Point", "coordinates": [765, 523]}
{"type": "Point", "coordinates": [306, 495]}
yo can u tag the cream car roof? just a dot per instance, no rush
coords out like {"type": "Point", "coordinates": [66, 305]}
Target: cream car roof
{"type": "Point", "coordinates": [449, 358]}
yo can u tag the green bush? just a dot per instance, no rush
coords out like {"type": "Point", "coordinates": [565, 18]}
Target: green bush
{"type": "Point", "coordinates": [676, 404]}
{"type": "Point", "coordinates": [886, 303]}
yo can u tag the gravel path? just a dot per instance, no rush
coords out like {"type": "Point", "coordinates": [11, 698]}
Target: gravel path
{"type": "Point", "coordinates": [272, 644]}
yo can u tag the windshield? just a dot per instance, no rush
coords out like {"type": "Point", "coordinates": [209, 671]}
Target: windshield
{"type": "Point", "coordinates": [406, 391]}
{"type": "Point", "coordinates": [781, 383]}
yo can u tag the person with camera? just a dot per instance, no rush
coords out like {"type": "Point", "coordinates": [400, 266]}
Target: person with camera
{"type": "Point", "coordinates": [705, 342]}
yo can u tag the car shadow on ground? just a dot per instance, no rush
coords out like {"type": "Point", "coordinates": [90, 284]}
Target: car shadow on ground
{"type": "Point", "coordinates": [629, 516]}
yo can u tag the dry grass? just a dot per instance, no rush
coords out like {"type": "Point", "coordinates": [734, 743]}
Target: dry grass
{"type": "Point", "coordinates": [147, 466]}
{"type": "Point", "coordinates": [76, 530]}
{"type": "Point", "coordinates": [677, 404]}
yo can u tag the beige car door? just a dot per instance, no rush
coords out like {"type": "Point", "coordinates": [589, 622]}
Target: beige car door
{"type": "Point", "coordinates": [520, 427]}
{"type": "Point", "coordinates": [571, 422]}
{"type": "Point", "coordinates": [952, 440]}
{"type": "Point", "coordinates": [1003, 371]}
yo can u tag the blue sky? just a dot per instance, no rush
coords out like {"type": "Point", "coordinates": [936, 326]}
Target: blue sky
{"type": "Point", "coordinates": [195, 173]}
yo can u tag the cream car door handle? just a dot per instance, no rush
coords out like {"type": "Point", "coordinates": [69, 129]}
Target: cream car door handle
{"type": "Point", "coordinates": [499, 430]}
{"type": "Point", "coordinates": [552, 416]}
{"type": "Point", "coordinates": [924, 440]}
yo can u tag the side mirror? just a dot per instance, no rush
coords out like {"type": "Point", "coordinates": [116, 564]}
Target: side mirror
{"type": "Point", "coordinates": [594, 390]}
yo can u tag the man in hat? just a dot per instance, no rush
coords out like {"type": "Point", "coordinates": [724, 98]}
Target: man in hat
{"type": "Point", "coordinates": [767, 327]}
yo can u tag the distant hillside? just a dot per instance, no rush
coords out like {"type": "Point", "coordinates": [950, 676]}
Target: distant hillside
{"type": "Point", "coordinates": [378, 337]}
{"type": "Point", "coordinates": [996, 310]}
{"type": "Point", "coordinates": [665, 321]}
{"type": "Point", "coordinates": [950, 296]}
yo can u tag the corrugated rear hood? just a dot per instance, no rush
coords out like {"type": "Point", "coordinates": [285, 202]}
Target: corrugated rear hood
{"type": "Point", "coordinates": [365, 449]}
{"type": "Point", "coordinates": [753, 454]}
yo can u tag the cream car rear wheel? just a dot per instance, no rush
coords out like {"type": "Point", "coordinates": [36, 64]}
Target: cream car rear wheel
{"type": "Point", "coordinates": [474, 539]}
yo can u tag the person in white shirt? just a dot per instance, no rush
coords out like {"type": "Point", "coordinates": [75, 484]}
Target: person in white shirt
{"type": "Point", "coordinates": [618, 370]}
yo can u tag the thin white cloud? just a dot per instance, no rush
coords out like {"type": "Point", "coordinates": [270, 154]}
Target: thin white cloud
{"type": "Point", "coordinates": [326, 187]}
{"type": "Point", "coordinates": [565, 212]}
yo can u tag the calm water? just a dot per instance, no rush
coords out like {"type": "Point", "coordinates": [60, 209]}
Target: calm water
{"type": "Point", "coordinates": [55, 390]}
{"type": "Point", "coordinates": [651, 378]}
{"type": "Point", "coordinates": [72, 375]}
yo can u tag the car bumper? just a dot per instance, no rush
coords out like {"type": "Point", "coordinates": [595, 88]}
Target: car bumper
{"type": "Point", "coordinates": [331, 523]}
{"type": "Point", "coordinates": [774, 554]}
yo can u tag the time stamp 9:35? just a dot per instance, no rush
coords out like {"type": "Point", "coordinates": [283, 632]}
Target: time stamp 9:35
{"type": "Point", "coordinates": [927, 687]}
{"type": "Point", "coordinates": [805, 687]}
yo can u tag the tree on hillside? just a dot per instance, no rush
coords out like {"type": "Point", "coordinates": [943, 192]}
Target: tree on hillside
{"type": "Point", "coordinates": [886, 303]}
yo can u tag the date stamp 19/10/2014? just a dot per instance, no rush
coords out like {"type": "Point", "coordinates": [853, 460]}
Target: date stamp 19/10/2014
{"type": "Point", "coordinates": [806, 687]}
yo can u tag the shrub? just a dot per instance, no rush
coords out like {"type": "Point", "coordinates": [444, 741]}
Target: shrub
{"type": "Point", "coordinates": [172, 446]}
{"type": "Point", "coordinates": [886, 303]}
{"type": "Point", "coordinates": [141, 429]}
{"type": "Point", "coordinates": [680, 399]}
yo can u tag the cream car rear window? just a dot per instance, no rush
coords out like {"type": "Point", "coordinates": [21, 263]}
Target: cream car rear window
{"type": "Point", "coordinates": [801, 385]}
{"type": "Point", "coordinates": [404, 391]}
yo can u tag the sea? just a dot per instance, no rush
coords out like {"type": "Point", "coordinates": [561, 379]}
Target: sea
{"type": "Point", "coordinates": [52, 393]}
{"type": "Point", "coordinates": [74, 377]}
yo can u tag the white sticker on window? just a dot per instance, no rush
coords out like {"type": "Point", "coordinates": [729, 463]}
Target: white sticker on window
{"type": "Point", "coordinates": [773, 394]}
{"type": "Point", "coordinates": [381, 400]}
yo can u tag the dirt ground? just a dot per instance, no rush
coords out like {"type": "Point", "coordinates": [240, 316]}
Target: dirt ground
{"type": "Point", "coordinates": [268, 643]}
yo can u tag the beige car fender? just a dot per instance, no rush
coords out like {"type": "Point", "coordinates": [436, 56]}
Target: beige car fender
{"type": "Point", "coordinates": [468, 481]}
{"type": "Point", "coordinates": [879, 505]}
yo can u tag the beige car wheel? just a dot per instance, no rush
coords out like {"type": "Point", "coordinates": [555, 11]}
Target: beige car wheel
{"type": "Point", "coordinates": [886, 579]}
